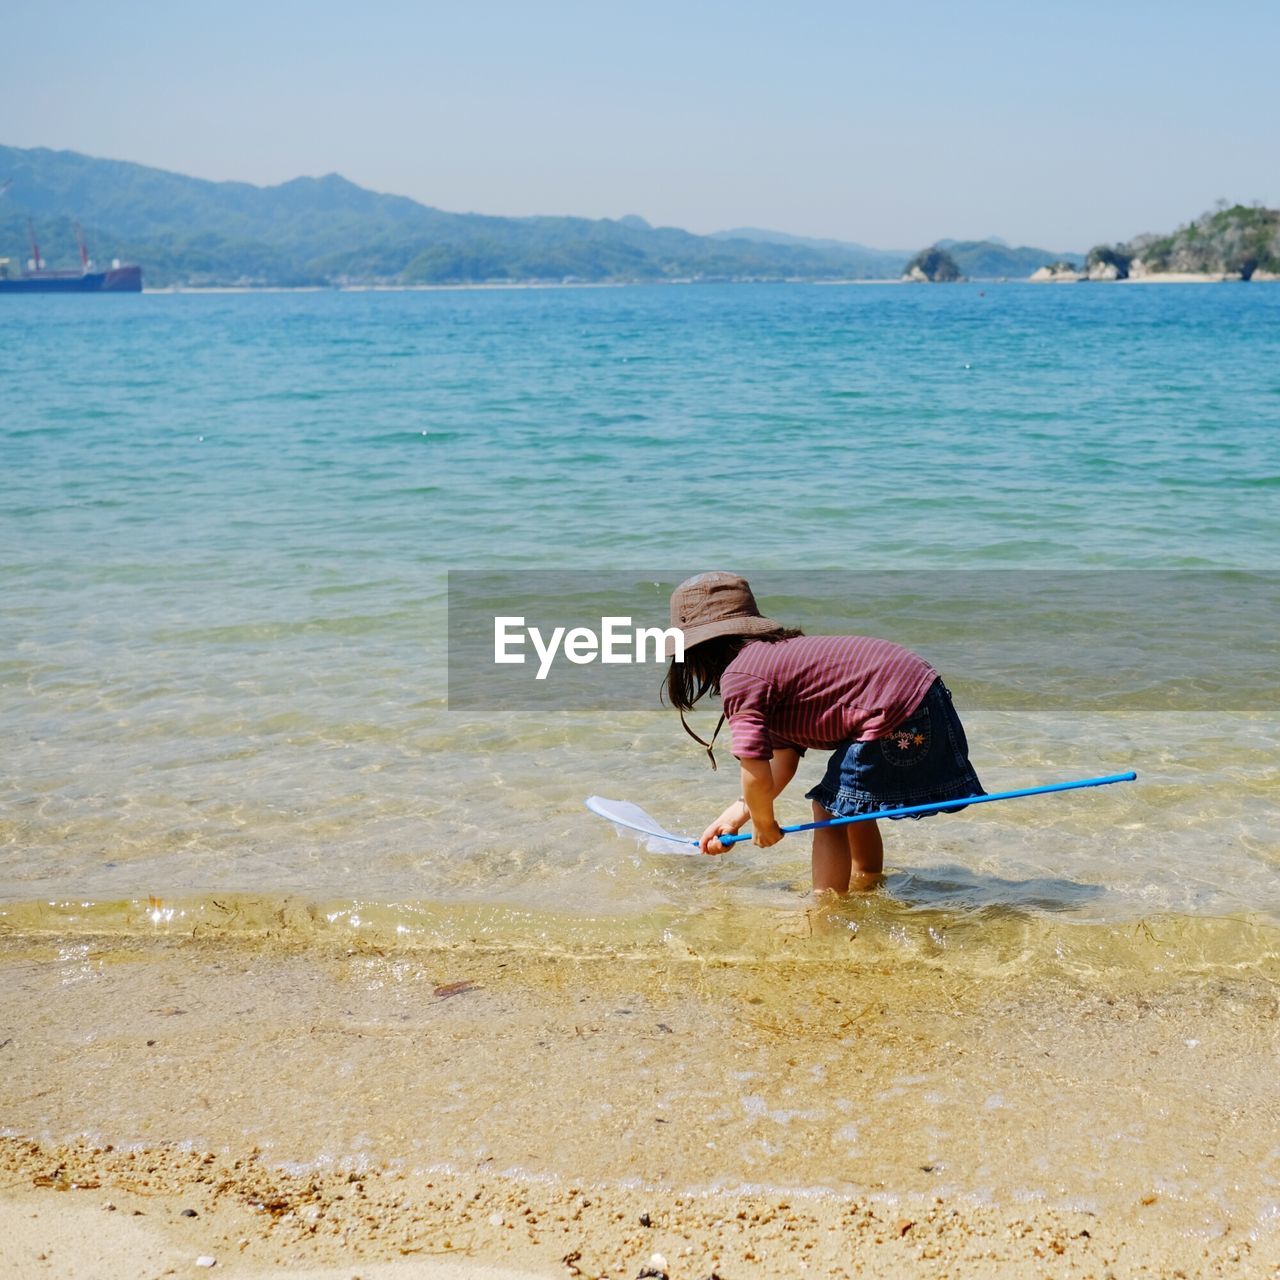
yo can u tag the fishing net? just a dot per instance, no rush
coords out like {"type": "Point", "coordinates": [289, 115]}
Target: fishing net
{"type": "Point", "coordinates": [630, 819]}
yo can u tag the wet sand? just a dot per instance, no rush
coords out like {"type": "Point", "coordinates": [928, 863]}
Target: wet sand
{"type": "Point", "coordinates": [575, 1115]}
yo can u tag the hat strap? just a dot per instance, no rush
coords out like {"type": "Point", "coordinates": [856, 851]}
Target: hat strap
{"type": "Point", "coordinates": [711, 755]}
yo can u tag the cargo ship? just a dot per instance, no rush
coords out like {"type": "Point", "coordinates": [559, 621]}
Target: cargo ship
{"type": "Point", "coordinates": [117, 278]}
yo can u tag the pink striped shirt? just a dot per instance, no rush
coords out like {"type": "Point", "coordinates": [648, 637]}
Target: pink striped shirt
{"type": "Point", "coordinates": [820, 691]}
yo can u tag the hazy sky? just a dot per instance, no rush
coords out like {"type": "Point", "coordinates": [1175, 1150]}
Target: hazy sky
{"type": "Point", "coordinates": [895, 124]}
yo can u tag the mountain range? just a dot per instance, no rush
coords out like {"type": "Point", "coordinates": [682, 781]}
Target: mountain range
{"type": "Point", "coordinates": [329, 231]}
{"type": "Point", "coordinates": [989, 259]}
{"type": "Point", "coordinates": [877, 264]}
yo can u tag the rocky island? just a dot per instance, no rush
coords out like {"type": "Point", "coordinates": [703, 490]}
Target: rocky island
{"type": "Point", "coordinates": [932, 266]}
{"type": "Point", "coordinates": [1234, 242]}
{"type": "Point", "coordinates": [1058, 273]}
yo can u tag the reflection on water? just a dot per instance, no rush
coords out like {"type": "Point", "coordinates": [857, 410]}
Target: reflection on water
{"type": "Point", "coordinates": [477, 810]}
{"type": "Point", "coordinates": [1176, 872]}
{"type": "Point", "coordinates": [225, 607]}
{"type": "Point", "coordinates": [970, 924]}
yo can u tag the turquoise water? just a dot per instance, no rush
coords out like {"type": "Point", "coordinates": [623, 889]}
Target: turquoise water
{"type": "Point", "coordinates": [303, 435]}
{"type": "Point", "coordinates": [226, 523]}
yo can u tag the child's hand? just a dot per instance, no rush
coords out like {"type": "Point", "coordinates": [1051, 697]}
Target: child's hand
{"type": "Point", "coordinates": [766, 833]}
{"type": "Point", "coordinates": [709, 841]}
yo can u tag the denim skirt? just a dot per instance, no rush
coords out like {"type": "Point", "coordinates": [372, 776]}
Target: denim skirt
{"type": "Point", "coordinates": [924, 760]}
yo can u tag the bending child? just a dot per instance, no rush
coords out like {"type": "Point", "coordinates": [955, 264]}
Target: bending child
{"type": "Point", "coordinates": [881, 710]}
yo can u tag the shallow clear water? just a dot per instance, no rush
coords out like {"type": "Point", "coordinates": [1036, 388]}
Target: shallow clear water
{"type": "Point", "coordinates": [226, 524]}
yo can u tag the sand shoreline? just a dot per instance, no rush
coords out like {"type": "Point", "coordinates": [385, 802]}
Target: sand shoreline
{"type": "Point", "coordinates": [516, 285]}
{"type": "Point", "coordinates": [147, 1211]}
{"type": "Point", "coordinates": [491, 286]}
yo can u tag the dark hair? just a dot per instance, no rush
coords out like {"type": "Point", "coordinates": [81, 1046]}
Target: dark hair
{"type": "Point", "coordinates": [703, 667]}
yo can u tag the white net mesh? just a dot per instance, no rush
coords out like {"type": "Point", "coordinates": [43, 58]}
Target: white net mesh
{"type": "Point", "coordinates": [630, 819]}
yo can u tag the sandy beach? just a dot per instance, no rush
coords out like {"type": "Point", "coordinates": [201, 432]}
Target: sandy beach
{"type": "Point", "coordinates": [435, 1114]}
{"type": "Point", "coordinates": [1179, 277]}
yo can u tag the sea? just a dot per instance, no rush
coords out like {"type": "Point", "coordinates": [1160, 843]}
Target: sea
{"type": "Point", "coordinates": [228, 526]}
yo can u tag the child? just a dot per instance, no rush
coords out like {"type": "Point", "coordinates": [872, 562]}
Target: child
{"type": "Point", "coordinates": [884, 710]}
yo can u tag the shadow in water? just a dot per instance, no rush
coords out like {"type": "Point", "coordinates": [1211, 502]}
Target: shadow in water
{"type": "Point", "coordinates": [961, 888]}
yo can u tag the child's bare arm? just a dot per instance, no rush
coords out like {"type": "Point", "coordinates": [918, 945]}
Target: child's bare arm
{"type": "Point", "coordinates": [783, 766]}
{"type": "Point", "coordinates": [757, 790]}
{"type": "Point", "coordinates": [780, 770]}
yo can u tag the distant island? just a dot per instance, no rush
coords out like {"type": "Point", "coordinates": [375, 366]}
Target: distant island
{"type": "Point", "coordinates": [330, 233]}
{"type": "Point", "coordinates": [1234, 242]}
{"type": "Point", "coordinates": [932, 266]}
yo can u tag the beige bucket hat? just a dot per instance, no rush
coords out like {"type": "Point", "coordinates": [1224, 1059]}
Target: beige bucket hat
{"type": "Point", "coordinates": [716, 604]}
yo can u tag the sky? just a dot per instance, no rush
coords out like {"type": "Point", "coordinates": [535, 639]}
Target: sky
{"type": "Point", "coordinates": [1060, 125]}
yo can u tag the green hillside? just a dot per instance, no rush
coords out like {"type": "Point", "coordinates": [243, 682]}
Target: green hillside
{"type": "Point", "coordinates": [991, 260]}
{"type": "Point", "coordinates": [327, 230]}
{"type": "Point", "coordinates": [1233, 240]}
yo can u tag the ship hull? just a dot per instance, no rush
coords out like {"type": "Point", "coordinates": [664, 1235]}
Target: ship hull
{"type": "Point", "coordinates": [117, 280]}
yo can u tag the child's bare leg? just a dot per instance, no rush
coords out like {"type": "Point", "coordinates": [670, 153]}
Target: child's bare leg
{"type": "Point", "coordinates": [866, 854]}
{"type": "Point", "coordinates": [845, 855]}
{"type": "Point", "coordinates": [832, 855]}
